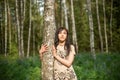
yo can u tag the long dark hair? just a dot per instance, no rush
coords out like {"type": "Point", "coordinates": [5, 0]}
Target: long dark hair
{"type": "Point", "coordinates": [67, 42]}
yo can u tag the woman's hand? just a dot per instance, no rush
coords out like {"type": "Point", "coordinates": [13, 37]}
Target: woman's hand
{"type": "Point", "coordinates": [43, 49]}
{"type": "Point", "coordinates": [54, 51]}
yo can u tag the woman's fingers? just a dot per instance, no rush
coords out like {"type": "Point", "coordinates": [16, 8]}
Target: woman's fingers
{"type": "Point", "coordinates": [53, 47]}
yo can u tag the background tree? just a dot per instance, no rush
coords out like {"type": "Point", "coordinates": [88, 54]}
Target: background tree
{"type": "Point", "coordinates": [6, 27]}
{"type": "Point", "coordinates": [74, 37]}
{"type": "Point", "coordinates": [91, 28]}
{"type": "Point", "coordinates": [99, 26]}
{"type": "Point", "coordinates": [29, 34]}
{"type": "Point", "coordinates": [65, 14]}
{"type": "Point", "coordinates": [17, 34]}
{"type": "Point", "coordinates": [111, 18]}
{"type": "Point", "coordinates": [18, 29]}
{"type": "Point", "coordinates": [22, 18]}
{"type": "Point", "coordinates": [105, 31]}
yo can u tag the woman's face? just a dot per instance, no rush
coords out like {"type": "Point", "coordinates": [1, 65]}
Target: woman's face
{"type": "Point", "coordinates": [62, 35]}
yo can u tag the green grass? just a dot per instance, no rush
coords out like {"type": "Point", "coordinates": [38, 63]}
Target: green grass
{"type": "Point", "coordinates": [105, 67]}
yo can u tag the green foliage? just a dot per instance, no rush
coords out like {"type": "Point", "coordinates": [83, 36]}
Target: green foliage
{"type": "Point", "coordinates": [105, 67]}
{"type": "Point", "coordinates": [13, 51]}
{"type": "Point", "coordinates": [20, 69]}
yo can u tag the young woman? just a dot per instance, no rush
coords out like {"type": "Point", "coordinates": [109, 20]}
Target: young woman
{"type": "Point", "coordinates": [63, 53]}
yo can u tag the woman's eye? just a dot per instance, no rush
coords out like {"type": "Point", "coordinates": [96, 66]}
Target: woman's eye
{"type": "Point", "coordinates": [65, 33]}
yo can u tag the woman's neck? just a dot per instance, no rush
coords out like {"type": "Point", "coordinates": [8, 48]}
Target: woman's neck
{"type": "Point", "coordinates": [61, 43]}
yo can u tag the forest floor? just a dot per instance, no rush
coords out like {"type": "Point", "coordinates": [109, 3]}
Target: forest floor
{"type": "Point", "coordinates": [105, 67]}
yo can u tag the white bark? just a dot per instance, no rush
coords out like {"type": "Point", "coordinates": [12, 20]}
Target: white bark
{"type": "Point", "coordinates": [22, 26]}
{"type": "Point", "coordinates": [106, 40]}
{"type": "Point", "coordinates": [5, 27]}
{"type": "Point", "coordinates": [91, 28]}
{"type": "Point", "coordinates": [29, 34]}
{"type": "Point", "coordinates": [61, 14]}
{"type": "Point", "coordinates": [9, 24]}
{"type": "Point", "coordinates": [65, 13]}
{"type": "Point", "coordinates": [74, 36]}
{"type": "Point", "coordinates": [99, 26]}
{"type": "Point", "coordinates": [18, 29]}
{"type": "Point", "coordinates": [49, 31]}
{"type": "Point", "coordinates": [111, 42]}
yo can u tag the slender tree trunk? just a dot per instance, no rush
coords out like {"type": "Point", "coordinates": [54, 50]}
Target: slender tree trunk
{"type": "Point", "coordinates": [99, 26]}
{"type": "Point", "coordinates": [9, 25]}
{"type": "Point", "coordinates": [106, 41]}
{"type": "Point", "coordinates": [33, 40]}
{"type": "Point", "coordinates": [111, 42]}
{"type": "Point", "coordinates": [65, 13]}
{"type": "Point", "coordinates": [91, 28]}
{"type": "Point", "coordinates": [29, 34]}
{"type": "Point", "coordinates": [49, 31]}
{"type": "Point", "coordinates": [61, 15]}
{"type": "Point", "coordinates": [24, 9]}
{"type": "Point", "coordinates": [18, 29]}
{"type": "Point", "coordinates": [5, 2]}
{"type": "Point", "coordinates": [15, 33]}
{"type": "Point", "coordinates": [22, 16]}
{"type": "Point", "coordinates": [74, 36]}
{"type": "Point", "coordinates": [1, 36]}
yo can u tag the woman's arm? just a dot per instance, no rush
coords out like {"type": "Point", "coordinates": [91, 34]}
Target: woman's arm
{"type": "Point", "coordinates": [70, 58]}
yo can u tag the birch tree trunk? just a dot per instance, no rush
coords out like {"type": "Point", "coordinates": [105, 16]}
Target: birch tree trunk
{"type": "Point", "coordinates": [29, 34]}
{"type": "Point", "coordinates": [5, 2]}
{"type": "Point", "coordinates": [33, 40]}
{"type": "Point", "coordinates": [49, 31]}
{"type": "Point", "coordinates": [106, 40]}
{"type": "Point", "coordinates": [9, 25]}
{"type": "Point", "coordinates": [111, 43]}
{"type": "Point", "coordinates": [91, 28]}
{"type": "Point", "coordinates": [99, 26]}
{"type": "Point", "coordinates": [61, 14]}
{"type": "Point", "coordinates": [22, 16]}
{"type": "Point", "coordinates": [18, 29]}
{"type": "Point", "coordinates": [74, 36]}
{"type": "Point", "coordinates": [65, 14]}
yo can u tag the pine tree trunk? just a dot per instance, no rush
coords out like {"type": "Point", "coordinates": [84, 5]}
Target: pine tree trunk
{"type": "Point", "coordinates": [49, 31]}
{"type": "Point", "coordinates": [99, 26]}
{"type": "Point", "coordinates": [91, 28]}
{"type": "Point", "coordinates": [65, 14]}
{"type": "Point", "coordinates": [74, 36]}
{"type": "Point", "coordinates": [106, 40]}
{"type": "Point", "coordinates": [29, 34]}
{"type": "Point", "coordinates": [5, 2]}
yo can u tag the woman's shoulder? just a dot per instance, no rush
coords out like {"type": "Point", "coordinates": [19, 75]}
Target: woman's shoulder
{"type": "Point", "coordinates": [72, 46]}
